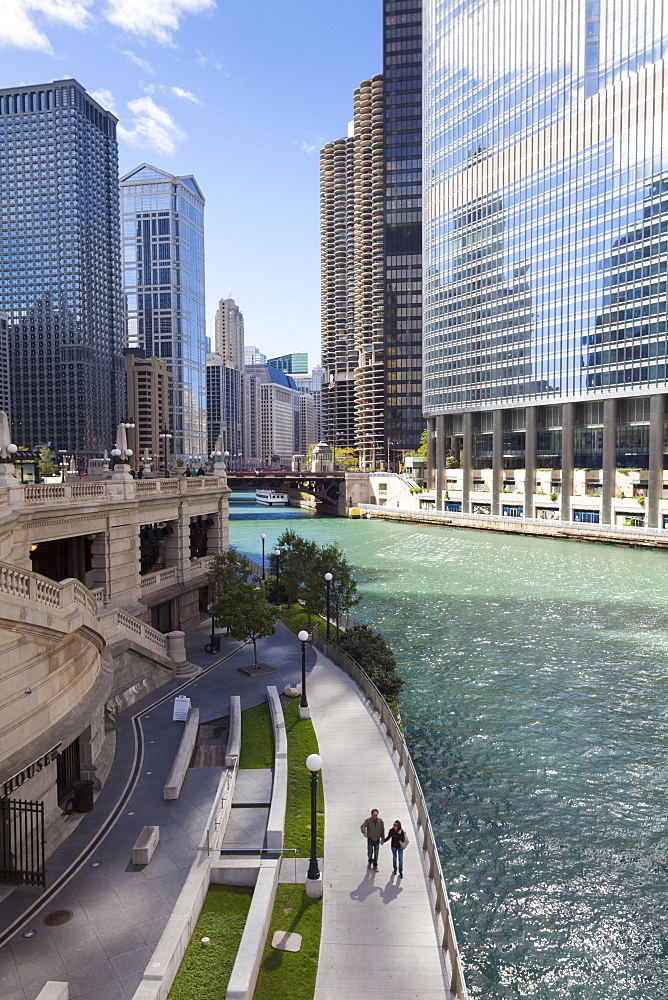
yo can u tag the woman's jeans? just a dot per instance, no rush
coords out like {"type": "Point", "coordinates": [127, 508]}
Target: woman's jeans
{"type": "Point", "coordinates": [398, 856]}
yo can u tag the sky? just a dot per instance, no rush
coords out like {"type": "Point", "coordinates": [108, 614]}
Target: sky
{"type": "Point", "coordinates": [242, 95]}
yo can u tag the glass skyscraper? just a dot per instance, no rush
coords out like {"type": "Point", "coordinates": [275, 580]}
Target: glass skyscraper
{"type": "Point", "coordinates": [402, 73]}
{"type": "Point", "coordinates": [546, 242]}
{"type": "Point", "coordinates": [163, 251]}
{"type": "Point", "coordinates": [60, 267]}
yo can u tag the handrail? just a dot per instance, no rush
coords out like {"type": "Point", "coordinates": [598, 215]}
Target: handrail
{"type": "Point", "coordinates": [39, 493]}
{"type": "Point", "coordinates": [442, 903]}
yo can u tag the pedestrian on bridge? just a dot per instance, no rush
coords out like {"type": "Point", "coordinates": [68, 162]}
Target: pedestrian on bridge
{"type": "Point", "coordinates": [399, 843]}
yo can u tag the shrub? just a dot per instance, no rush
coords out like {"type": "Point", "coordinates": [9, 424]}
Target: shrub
{"type": "Point", "coordinates": [374, 654]}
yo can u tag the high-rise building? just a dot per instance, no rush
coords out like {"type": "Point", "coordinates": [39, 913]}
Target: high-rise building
{"type": "Point", "coordinates": [271, 417]}
{"type": "Point", "coordinates": [60, 266]}
{"type": "Point", "coordinates": [148, 382]}
{"type": "Point", "coordinates": [402, 73]}
{"type": "Point", "coordinates": [163, 245]}
{"type": "Point", "coordinates": [546, 250]}
{"type": "Point", "coordinates": [225, 407]}
{"type": "Point", "coordinates": [312, 384]}
{"type": "Point", "coordinates": [229, 334]}
{"type": "Point", "coordinates": [352, 255]}
{"type": "Point", "coordinates": [292, 364]}
{"type": "Point", "coordinates": [4, 367]}
{"type": "Point", "coordinates": [308, 424]}
{"type": "Point", "coordinates": [253, 357]}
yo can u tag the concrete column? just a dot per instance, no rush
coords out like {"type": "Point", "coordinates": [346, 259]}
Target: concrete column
{"type": "Point", "coordinates": [100, 561]}
{"type": "Point", "coordinates": [440, 460]}
{"type": "Point", "coordinates": [497, 460]}
{"type": "Point", "coordinates": [567, 454]}
{"type": "Point", "coordinates": [431, 452]}
{"type": "Point", "coordinates": [609, 459]}
{"type": "Point", "coordinates": [467, 463]}
{"type": "Point", "coordinates": [530, 461]}
{"type": "Point", "coordinates": [657, 416]}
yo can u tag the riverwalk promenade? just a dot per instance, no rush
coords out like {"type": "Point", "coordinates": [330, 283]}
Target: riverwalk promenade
{"type": "Point", "coordinates": [379, 934]}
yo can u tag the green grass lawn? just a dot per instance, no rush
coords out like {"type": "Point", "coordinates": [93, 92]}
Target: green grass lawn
{"type": "Point", "coordinates": [288, 975]}
{"type": "Point", "coordinates": [301, 743]}
{"type": "Point", "coordinates": [205, 972]}
{"type": "Point", "coordinates": [296, 619]}
{"type": "Point", "coordinates": [257, 741]}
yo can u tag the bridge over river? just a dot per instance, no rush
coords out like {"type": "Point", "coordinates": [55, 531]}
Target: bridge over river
{"type": "Point", "coordinates": [327, 487]}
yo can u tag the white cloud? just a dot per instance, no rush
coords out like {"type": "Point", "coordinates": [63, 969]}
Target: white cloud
{"type": "Point", "coordinates": [137, 60]}
{"type": "Point", "coordinates": [152, 127]}
{"type": "Point", "coordinates": [185, 95]}
{"type": "Point", "coordinates": [18, 28]}
{"type": "Point", "coordinates": [105, 98]}
{"type": "Point", "coordinates": [203, 60]}
{"type": "Point", "coordinates": [152, 19]}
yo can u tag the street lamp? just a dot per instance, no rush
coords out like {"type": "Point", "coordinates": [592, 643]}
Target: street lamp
{"type": "Point", "coordinates": [263, 573]}
{"type": "Point", "coordinates": [213, 646]}
{"type": "Point", "coordinates": [277, 553]}
{"type": "Point", "coordinates": [226, 456]}
{"type": "Point", "coordinates": [328, 580]}
{"type": "Point", "coordinates": [314, 764]}
{"type": "Point", "coordinates": [165, 436]}
{"type": "Point", "coordinates": [304, 712]}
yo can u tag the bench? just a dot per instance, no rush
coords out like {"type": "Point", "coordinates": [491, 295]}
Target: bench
{"type": "Point", "coordinates": [177, 775]}
{"type": "Point", "coordinates": [145, 845]}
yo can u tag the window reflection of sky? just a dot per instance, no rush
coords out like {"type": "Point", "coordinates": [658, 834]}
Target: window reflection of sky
{"type": "Point", "coordinates": [498, 76]}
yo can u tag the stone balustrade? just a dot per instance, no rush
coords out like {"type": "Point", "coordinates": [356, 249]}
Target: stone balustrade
{"type": "Point", "coordinates": [48, 493]}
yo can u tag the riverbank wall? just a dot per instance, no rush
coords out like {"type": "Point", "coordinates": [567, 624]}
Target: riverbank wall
{"type": "Point", "coordinates": [646, 538]}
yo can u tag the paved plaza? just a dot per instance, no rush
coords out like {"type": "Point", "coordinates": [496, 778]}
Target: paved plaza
{"type": "Point", "coordinates": [378, 933]}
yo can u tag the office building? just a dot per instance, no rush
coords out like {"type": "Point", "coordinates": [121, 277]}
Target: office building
{"type": "Point", "coordinates": [546, 253]}
{"type": "Point", "coordinates": [163, 248]}
{"type": "Point", "coordinates": [4, 366]}
{"type": "Point", "coordinates": [60, 267]}
{"type": "Point", "coordinates": [271, 416]}
{"type": "Point", "coordinates": [148, 382]}
{"type": "Point", "coordinates": [229, 334]}
{"type": "Point", "coordinates": [312, 384]}
{"type": "Point", "coordinates": [225, 408]}
{"type": "Point", "coordinates": [254, 357]}
{"type": "Point", "coordinates": [291, 364]}
{"type": "Point", "coordinates": [308, 424]}
{"type": "Point", "coordinates": [402, 73]}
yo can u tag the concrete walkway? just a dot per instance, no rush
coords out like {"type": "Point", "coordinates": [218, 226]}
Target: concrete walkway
{"type": "Point", "coordinates": [117, 911]}
{"type": "Point", "coordinates": [378, 931]}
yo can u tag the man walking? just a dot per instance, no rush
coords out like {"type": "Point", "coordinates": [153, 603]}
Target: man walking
{"type": "Point", "coordinates": [373, 829]}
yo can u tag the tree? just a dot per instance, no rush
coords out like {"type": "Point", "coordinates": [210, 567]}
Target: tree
{"type": "Point", "coordinates": [228, 570]}
{"type": "Point", "coordinates": [245, 611]}
{"type": "Point", "coordinates": [47, 464]}
{"type": "Point", "coordinates": [342, 589]}
{"type": "Point", "coordinates": [422, 449]}
{"type": "Point", "coordinates": [297, 554]}
{"type": "Point", "coordinates": [374, 654]}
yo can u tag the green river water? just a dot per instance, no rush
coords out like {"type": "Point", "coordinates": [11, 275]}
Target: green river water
{"type": "Point", "coordinates": [536, 711]}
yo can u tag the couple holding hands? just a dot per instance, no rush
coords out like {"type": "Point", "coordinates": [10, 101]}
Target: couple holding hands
{"type": "Point", "coordinates": [373, 829]}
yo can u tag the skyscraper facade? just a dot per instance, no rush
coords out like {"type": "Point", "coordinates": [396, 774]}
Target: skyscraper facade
{"type": "Point", "coordinates": [60, 266]}
{"type": "Point", "coordinates": [402, 72]}
{"type": "Point", "coordinates": [229, 333]}
{"type": "Point", "coordinates": [352, 282]}
{"type": "Point", "coordinates": [163, 249]}
{"type": "Point", "coordinates": [292, 364]}
{"type": "Point", "coordinates": [225, 407]}
{"type": "Point", "coordinates": [4, 366]}
{"type": "Point", "coordinates": [546, 243]}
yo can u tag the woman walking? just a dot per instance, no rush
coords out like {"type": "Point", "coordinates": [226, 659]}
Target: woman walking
{"type": "Point", "coordinates": [399, 842]}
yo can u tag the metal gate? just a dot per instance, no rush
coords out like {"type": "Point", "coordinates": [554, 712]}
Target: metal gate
{"type": "Point", "coordinates": [22, 859]}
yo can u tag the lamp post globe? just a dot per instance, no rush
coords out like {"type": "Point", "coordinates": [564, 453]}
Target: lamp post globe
{"type": "Point", "coordinates": [304, 712]}
{"type": "Point", "coordinates": [313, 886]}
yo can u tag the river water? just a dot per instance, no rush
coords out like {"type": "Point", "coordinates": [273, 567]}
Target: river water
{"type": "Point", "coordinates": [536, 711]}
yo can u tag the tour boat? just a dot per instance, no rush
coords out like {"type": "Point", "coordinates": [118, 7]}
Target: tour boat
{"type": "Point", "coordinates": [271, 498]}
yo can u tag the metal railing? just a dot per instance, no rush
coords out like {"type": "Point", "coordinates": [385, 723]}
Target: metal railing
{"type": "Point", "coordinates": [441, 901]}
